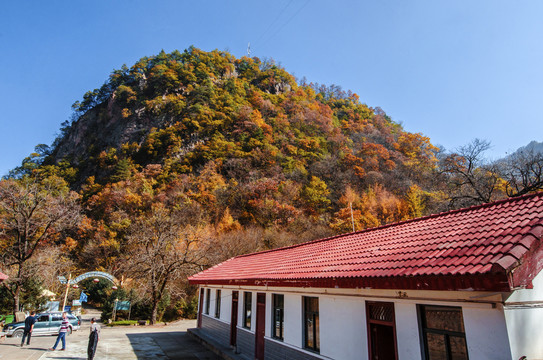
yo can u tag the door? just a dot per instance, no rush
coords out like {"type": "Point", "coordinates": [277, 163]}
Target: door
{"type": "Point", "coordinates": [260, 325]}
{"type": "Point", "coordinates": [54, 325]}
{"type": "Point", "coordinates": [234, 318]}
{"type": "Point", "coordinates": [381, 331]}
{"type": "Point", "coordinates": [200, 308]}
{"type": "Point", "coordinates": [42, 324]}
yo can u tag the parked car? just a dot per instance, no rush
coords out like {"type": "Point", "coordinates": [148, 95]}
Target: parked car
{"type": "Point", "coordinates": [47, 324]}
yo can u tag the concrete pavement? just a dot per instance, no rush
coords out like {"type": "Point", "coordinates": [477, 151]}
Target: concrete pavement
{"type": "Point", "coordinates": [132, 342]}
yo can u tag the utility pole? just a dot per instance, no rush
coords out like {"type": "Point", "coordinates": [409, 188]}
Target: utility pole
{"type": "Point", "coordinates": [352, 217]}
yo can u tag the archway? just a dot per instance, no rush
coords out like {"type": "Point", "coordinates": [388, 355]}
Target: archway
{"type": "Point", "coordinates": [90, 274]}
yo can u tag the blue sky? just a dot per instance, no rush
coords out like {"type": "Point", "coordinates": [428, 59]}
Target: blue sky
{"type": "Point", "coordinates": [451, 70]}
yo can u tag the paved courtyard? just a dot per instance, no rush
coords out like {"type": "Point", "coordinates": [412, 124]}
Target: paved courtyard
{"type": "Point", "coordinates": [132, 342]}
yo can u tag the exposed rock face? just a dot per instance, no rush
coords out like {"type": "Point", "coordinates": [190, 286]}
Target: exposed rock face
{"type": "Point", "coordinates": [104, 127]}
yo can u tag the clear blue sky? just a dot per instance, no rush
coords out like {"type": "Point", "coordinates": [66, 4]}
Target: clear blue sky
{"type": "Point", "coordinates": [451, 70]}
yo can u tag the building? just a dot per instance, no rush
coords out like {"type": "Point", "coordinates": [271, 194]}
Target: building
{"type": "Point", "coordinates": [456, 285]}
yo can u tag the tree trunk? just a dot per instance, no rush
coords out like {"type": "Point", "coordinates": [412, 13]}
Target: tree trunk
{"type": "Point", "coordinates": [155, 311]}
{"type": "Point", "coordinates": [16, 298]}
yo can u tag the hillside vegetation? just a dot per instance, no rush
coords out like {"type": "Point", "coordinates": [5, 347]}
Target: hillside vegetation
{"type": "Point", "coordinates": [186, 159]}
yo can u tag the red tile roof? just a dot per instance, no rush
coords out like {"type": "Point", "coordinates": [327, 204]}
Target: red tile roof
{"type": "Point", "coordinates": [494, 247]}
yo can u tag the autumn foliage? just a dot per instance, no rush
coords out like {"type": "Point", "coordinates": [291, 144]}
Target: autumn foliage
{"type": "Point", "coordinates": [235, 154]}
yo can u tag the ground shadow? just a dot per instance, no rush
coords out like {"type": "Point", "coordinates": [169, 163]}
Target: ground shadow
{"type": "Point", "coordinates": [169, 345]}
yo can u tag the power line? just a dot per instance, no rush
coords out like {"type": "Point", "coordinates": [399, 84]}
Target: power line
{"type": "Point", "coordinates": [273, 22]}
{"type": "Point", "coordinates": [285, 23]}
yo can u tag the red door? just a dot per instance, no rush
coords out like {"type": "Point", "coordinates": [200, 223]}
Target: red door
{"type": "Point", "coordinates": [234, 319]}
{"type": "Point", "coordinates": [200, 307]}
{"type": "Point", "coordinates": [381, 331]}
{"type": "Point", "coordinates": [260, 325]}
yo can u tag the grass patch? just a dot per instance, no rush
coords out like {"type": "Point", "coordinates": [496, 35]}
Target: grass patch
{"type": "Point", "coordinates": [123, 323]}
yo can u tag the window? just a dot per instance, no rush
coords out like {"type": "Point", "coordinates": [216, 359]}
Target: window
{"type": "Point", "coordinates": [218, 304]}
{"type": "Point", "coordinates": [208, 299]}
{"type": "Point", "coordinates": [442, 329]}
{"type": "Point", "coordinates": [247, 304]}
{"type": "Point", "coordinates": [311, 323]}
{"type": "Point", "coordinates": [278, 305]}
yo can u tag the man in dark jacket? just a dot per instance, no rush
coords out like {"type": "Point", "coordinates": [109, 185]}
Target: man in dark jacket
{"type": "Point", "coordinates": [93, 339]}
{"type": "Point", "coordinates": [29, 326]}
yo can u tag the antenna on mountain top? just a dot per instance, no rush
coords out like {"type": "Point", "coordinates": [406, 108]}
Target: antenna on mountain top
{"type": "Point", "coordinates": [249, 50]}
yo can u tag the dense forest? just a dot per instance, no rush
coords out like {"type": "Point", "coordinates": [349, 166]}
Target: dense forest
{"type": "Point", "coordinates": [186, 159]}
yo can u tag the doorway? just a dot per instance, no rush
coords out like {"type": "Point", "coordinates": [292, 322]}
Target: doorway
{"type": "Point", "coordinates": [260, 325]}
{"type": "Point", "coordinates": [200, 308]}
{"type": "Point", "coordinates": [234, 319]}
{"type": "Point", "coordinates": [381, 331]}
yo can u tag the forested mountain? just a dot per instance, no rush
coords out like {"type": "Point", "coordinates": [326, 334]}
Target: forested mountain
{"type": "Point", "coordinates": [242, 136]}
{"type": "Point", "coordinates": [183, 160]}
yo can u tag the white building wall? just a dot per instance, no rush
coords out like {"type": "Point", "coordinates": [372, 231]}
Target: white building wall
{"type": "Point", "coordinates": [226, 305]}
{"type": "Point", "coordinates": [343, 330]}
{"type": "Point", "coordinates": [525, 321]}
{"type": "Point", "coordinates": [293, 320]}
{"type": "Point", "coordinates": [407, 331]}
{"type": "Point", "coordinates": [343, 327]}
{"type": "Point", "coordinates": [486, 333]}
{"type": "Point", "coordinates": [269, 320]}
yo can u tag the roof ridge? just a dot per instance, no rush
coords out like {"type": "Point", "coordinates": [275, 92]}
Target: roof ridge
{"type": "Point", "coordinates": [431, 216]}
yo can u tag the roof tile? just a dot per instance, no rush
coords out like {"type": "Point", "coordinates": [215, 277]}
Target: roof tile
{"type": "Point", "coordinates": [461, 242]}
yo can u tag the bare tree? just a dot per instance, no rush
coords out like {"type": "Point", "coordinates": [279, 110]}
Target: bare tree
{"type": "Point", "coordinates": [32, 213]}
{"type": "Point", "coordinates": [523, 172]}
{"type": "Point", "coordinates": [472, 179]}
{"type": "Point", "coordinates": [163, 248]}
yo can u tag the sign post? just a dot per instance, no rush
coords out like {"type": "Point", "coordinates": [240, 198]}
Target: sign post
{"type": "Point", "coordinates": [66, 294]}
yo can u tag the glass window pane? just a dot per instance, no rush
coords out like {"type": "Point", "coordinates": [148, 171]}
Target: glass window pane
{"type": "Point", "coordinates": [311, 323]}
{"type": "Point", "coordinates": [247, 299]}
{"type": "Point", "coordinates": [218, 304]}
{"type": "Point", "coordinates": [208, 300]}
{"type": "Point", "coordinates": [317, 337]}
{"type": "Point", "coordinates": [436, 346]}
{"type": "Point", "coordinates": [310, 343]}
{"type": "Point", "coordinates": [458, 348]}
{"type": "Point", "coordinates": [277, 330]}
{"type": "Point", "coordinates": [441, 318]}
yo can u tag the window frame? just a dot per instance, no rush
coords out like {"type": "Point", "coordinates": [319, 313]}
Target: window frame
{"type": "Point", "coordinates": [247, 311]}
{"type": "Point", "coordinates": [281, 336]}
{"type": "Point", "coordinates": [218, 303]}
{"type": "Point", "coordinates": [424, 330]}
{"type": "Point", "coordinates": [208, 300]}
{"type": "Point", "coordinates": [316, 329]}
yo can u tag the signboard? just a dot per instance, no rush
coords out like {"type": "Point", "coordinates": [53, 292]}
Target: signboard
{"type": "Point", "coordinates": [76, 303]}
{"type": "Point", "coordinates": [123, 305]}
{"type": "Point", "coordinates": [67, 308]}
{"type": "Point", "coordinates": [52, 306]}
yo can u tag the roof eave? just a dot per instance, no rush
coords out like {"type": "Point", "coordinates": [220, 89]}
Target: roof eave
{"type": "Point", "coordinates": [495, 281]}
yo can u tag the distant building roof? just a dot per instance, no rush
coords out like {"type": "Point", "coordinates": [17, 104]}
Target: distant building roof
{"type": "Point", "coordinates": [3, 277]}
{"type": "Point", "coordinates": [494, 247]}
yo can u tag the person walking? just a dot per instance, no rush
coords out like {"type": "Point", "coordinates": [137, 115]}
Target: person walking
{"type": "Point", "coordinates": [93, 339]}
{"type": "Point", "coordinates": [29, 326]}
{"type": "Point", "coordinates": [64, 326]}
